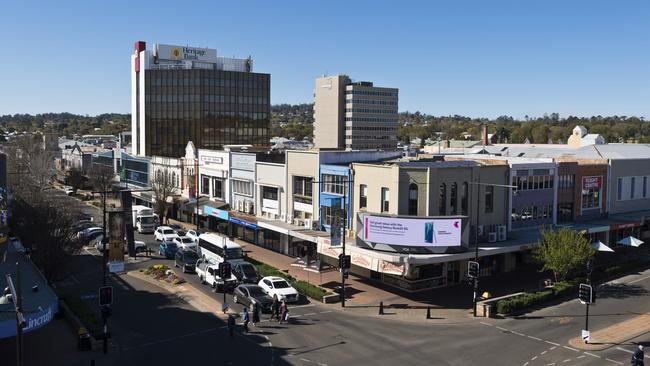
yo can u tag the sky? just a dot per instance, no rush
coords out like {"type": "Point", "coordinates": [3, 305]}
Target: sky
{"type": "Point", "coordinates": [473, 58]}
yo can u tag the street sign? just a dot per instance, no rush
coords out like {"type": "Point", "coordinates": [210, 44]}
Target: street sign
{"type": "Point", "coordinates": [585, 293]}
{"type": "Point", "coordinates": [472, 269]}
{"type": "Point", "coordinates": [585, 336]}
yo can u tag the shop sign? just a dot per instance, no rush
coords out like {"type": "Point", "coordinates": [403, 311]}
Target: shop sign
{"type": "Point", "coordinates": [211, 211]}
{"type": "Point", "coordinates": [593, 182]}
{"type": "Point", "coordinates": [361, 261]}
{"type": "Point", "coordinates": [626, 226]}
{"type": "Point", "coordinates": [391, 268]}
{"type": "Point", "coordinates": [243, 223]}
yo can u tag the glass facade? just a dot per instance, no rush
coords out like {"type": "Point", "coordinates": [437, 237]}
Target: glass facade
{"type": "Point", "coordinates": [211, 108]}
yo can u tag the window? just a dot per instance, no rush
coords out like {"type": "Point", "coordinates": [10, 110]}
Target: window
{"type": "Point", "coordinates": [217, 188]}
{"type": "Point", "coordinates": [333, 183]}
{"type": "Point", "coordinates": [454, 199]}
{"type": "Point", "coordinates": [327, 215]}
{"type": "Point", "coordinates": [243, 187]}
{"type": "Point", "coordinates": [463, 199]}
{"type": "Point", "coordinates": [302, 186]}
{"type": "Point", "coordinates": [632, 181]}
{"type": "Point", "coordinates": [363, 196]}
{"type": "Point", "coordinates": [619, 187]}
{"type": "Point", "coordinates": [205, 184]}
{"type": "Point", "coordinates": [270, 193]}
{"type": "Point", "coordinates": [566, 181]}
{"type": "Point", "coordinates": [442, 200]}
{"type": "Point", "coordinates": [489, 199]}
{"type": "Point", "coordinates": [413, 199]}
{"type": "Point", "coordinates": [385, 197]}
{"type": "Point", "coordinates": [590, 198]}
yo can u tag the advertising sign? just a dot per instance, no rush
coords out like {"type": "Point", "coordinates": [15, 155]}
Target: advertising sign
{"type": "Point", "coordinates": [335, 232]}
{"type": "Point", "coordinates": [116, 236]}
{"type": "Point", "coordinates": [126, 198]}
{"type": "Point", "coordinates": [594, 182]}
{"type": "Point", "coordinates": [422, 232]}
{"type": "Point", "coordinates": [178, 53]}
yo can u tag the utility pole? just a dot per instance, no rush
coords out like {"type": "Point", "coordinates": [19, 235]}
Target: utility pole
{"type": "Point", "coordinates": [16, 293]}
{"type": "Point", "coordinates": [345, 225]}
{"type": "Point", "coordinates": [104, 265]}
{"type": "Point", "coordinates": [589, 268]}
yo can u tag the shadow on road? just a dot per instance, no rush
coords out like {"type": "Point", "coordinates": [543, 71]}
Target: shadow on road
{"type": "Point", "coordinates": [620, 291]}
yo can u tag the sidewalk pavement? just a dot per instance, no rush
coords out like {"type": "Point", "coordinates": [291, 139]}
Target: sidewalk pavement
{"type": "Point", "coordinates": [614, 334]}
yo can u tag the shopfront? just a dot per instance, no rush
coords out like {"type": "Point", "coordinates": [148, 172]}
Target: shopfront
{"type": "Point", "coordinates": [218, 219]}
{"type": "Point", "coordinates": [243, 227]}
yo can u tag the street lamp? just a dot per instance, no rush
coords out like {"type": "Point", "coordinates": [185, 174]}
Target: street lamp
{"type": "Point", "coordinates": [476, 241]}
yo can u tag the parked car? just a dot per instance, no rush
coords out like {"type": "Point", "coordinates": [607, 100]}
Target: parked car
{"type": "Point", "coordinates": [185, 243]}
{"type": "Point", "coordinates": [181, 232]}
{"type": "Point", "coordinates": [245, 272]}
{"type": "Point", "coordinates": [168, 249]}
{"type": "Point", "coordinates": [194, 235]}
{"type": "Point", "coordinates": [186, 260]}
{"type": "Point", "coordinates": [68, 190]}
{"type": "Point", "coordinates": [248, 294]}
{"type": "Point", "coordinates": [86, 233]}
{"type": "Point", "coordinates": [278, 288]}
{"type": "Point", "coordinates": [165, 233]}
{"type": "Point", "coordinates": [138, 245]}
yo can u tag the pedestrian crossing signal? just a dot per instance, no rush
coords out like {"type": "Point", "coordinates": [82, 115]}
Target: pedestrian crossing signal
{"type": "Point", "coordinates": [472, 269]}
{"type": "Point", "coordinates": [585, 294]}
{"type": "Point", "coordinates": [105, 295]}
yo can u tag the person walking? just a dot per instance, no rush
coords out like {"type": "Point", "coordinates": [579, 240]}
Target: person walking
{"type": "Point", "coordinates": [275, 309]}
{"type": "Point", "coordinates": [284, 311]}
{"type": "Point", "coordinates": [637, 357]}
{"type": "Point", "coordinates": [245, 319]}
{"type": "Point", "coordinates": [231, 326]}
{"type": "Point", "coordinates": [256, 314]}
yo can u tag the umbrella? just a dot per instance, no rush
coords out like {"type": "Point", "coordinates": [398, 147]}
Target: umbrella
{"type": "Point", "coordinates": [630, 241]}
{"type": "Point", "coordinates": [599, 246]}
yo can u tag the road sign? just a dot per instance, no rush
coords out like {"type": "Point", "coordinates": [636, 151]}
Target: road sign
{"type": "Point", "coordinates": [585, 336]}
{"type": "Point", "coordinates": [472, 269]}
{"type": "Point", "coordinates": [585, 293]}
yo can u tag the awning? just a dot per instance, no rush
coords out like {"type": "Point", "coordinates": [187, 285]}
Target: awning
{"type": "Point", "coordinates": [191, 204]}
{"type": "Point", "coordinates": [630, 241]}
{"type": "Point", "coordinates": [599, 246]}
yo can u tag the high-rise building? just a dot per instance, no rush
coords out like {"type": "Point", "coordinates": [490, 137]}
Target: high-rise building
{"type": "Point", "coordinates": [354, 115]}
{"type": "Point", "coordinates": [182, 93]}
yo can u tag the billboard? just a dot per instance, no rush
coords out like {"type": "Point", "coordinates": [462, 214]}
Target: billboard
{"type": "Point", "coordinates": [418, 232]}
{"type": "Point", "coordinates": [170, 52]}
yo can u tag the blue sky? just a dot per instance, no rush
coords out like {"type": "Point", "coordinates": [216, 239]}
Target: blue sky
{"type": "Point", "coordinates": [474, 58]}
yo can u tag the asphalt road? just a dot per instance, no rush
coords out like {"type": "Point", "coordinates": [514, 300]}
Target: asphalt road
{"type": "Point", "coordinates": [152, 327]}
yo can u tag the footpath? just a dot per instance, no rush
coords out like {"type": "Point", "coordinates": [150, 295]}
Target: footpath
{"type": "Point", "coordinates": [615, 334]}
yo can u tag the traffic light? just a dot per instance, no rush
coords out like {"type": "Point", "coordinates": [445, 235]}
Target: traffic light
{"type": "Point", "coordinates": [105, 295]}
{"type": "Point", "coordinates": [472, 269]}
{"type": "Point", "coordinates": [106, 311]}
{"type": "Point", "coordinates": [225, 270]}
{"type": "Point", "coordinates": [345, 272]}
{"type": "Point", "coordinates": [345, 261]}
{"type": "Point", "coordinates": [585, 294]}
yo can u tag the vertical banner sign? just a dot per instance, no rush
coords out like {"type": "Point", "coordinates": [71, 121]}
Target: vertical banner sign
{"type": "Point", "coordinates": [335, 232]}
{"type": "Point", "coordinates": [125, 197]}
{"type": "Point", "coordinates": [115, 236]}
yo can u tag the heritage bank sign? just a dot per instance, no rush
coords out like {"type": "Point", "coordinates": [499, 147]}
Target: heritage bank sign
{"type": "Point", "coordinates": [178, 53]}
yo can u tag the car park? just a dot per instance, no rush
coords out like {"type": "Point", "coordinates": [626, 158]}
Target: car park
{"type": "Point", "coordinates": [168, 249]}
{"type": "Point", "coordinates": [186, 260]}
{"type": "Point", "coordinates": [185, 243]}
{"type": "Point", "coordinates": [248, 294]}
{"type": "Point", "coordinates": [279, 288]}
{"type": "Point", "coordinates": [165, 233]}
{"type": "Point", "coordinates": [245, 272]}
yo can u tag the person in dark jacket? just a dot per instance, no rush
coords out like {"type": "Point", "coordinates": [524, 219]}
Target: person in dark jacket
{"type": "Point", "coordinates": [637, 357]}
{"type": "Point", "coordinates": [275, 309]}
{"type": "Point", "coordinates": [256, 314]}
{"type": "Point", "coordinates": [231, 326]}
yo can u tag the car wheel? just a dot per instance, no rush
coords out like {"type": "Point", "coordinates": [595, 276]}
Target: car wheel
{"type": "Point", "coordinates": [235, 299]}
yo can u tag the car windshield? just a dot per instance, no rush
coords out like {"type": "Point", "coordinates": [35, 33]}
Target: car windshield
{"type": "Point", "coordinates": [191, 257]}
{"type": "Point", "coordinates": [248, 270]}
{"type": "Point", "coordinates": [146, 220]}
{"type": "Point", "coordinates": [168, 231]}
{"type": "Point", "coordinates": [234, 253]}
{"type": "Point", "coordinates": [280, 284]}
{"type": "Point", "coordinates": [256, 292]}
{"type": "Point", "coordinates": [187, 240]}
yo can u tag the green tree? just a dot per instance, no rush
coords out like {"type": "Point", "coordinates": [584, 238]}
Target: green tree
{"type": "Point", "coordinates": [75, 178]}
{"type": "Point", "coordinates": [562, 251]}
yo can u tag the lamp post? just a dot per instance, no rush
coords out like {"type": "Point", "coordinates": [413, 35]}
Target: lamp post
{"type": "Point", "coordinates": [476, 240]}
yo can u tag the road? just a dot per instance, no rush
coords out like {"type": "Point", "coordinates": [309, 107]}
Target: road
{"type": "Point", "coordinates": [150, 326]}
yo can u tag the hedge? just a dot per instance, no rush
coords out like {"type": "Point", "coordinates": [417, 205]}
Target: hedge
{"type": "Point", "coordinates": [303, 287]}
{"type": "Point", "coordinates": [90, 319]}
{"type": "Point", "coordinates": [560, 289]}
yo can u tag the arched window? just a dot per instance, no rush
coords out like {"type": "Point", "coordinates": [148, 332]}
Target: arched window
{"type": "Point", "coordinates": [463, 199]}
{"type": "Point", "coordinates": [442, 200]}
{"type": "Point", "coordinates": [413, 199]}
{"type": "Point", "coordinates": [454, 198]}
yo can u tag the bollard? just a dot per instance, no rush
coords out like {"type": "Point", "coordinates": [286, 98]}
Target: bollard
{"type": "Point", "coordinates": [428, 312]}
{"type": "Point", "coordinates": [381, 308]}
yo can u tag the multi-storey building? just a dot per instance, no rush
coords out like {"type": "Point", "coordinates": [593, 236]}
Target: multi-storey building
{"type": "Point", "coordinates": [354, 115]}
{"type": "Point", "coordinates": [182, 93]}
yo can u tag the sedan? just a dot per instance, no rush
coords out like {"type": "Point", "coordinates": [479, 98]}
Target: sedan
{"type": "Point", "coordinates": [168, 249]}
{"type": "Point", "coordinates": [194, 235]}
{"type": "Point", "coordinates": [279, 288]}
{"type": "Point", "coordinates": [186, 260]}
{"type": "Point", "coordinates": [165, 233]}
{"type": "Point", "coordinates": [245, 272]}
{"type": "Point", "coordinates": [185, 243]}
{"type": "Point", "coordinates": [252, 294]}
{"type": "Point", "coordinates": [89, 233]}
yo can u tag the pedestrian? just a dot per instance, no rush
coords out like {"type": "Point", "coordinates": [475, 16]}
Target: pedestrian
{"type": "Point", "coordinates": [275, 309]}
{"type": "Point", "coordinates": [637, 357]}
{"type": "Point", "coordinates": [283, 311]}
{"type": "Point", "coordinates": [245, 318]}
{"type": "Point", "coordinates": [256, 314]}
{"type": "Point", "coordinates": [231, 326]}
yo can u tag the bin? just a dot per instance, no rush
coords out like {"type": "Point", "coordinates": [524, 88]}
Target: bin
{"type": "Point", "coordinates": [489, 309]}
{"type": "Point", "coordinates": [84, 339]}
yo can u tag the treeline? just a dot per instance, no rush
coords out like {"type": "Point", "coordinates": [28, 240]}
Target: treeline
{"type": "Point", "coordinates": [67, 124]}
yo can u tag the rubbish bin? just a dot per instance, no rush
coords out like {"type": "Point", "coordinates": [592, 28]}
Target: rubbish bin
{"type": "Point", "coordinates": [84, 339]}
{"type": "Point", "coordinates": [488, 310]}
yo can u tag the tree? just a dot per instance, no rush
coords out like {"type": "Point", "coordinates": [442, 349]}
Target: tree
{"type": "Point", "coordinates": [562, 251]}
{"type": "Point", "coordinates": [75, 178]}
{"type": "Point", "coordinates": [30, 166]}
{"type": "Point", "coordinates": [163, 187]}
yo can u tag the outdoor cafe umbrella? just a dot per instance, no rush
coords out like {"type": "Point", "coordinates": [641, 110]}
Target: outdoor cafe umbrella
{"type": "Point", "coordinates": [630, 241]}
{"type": "Point", "coordinates": [599, 246]}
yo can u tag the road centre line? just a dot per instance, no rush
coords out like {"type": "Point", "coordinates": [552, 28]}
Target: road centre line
{"type": "Point", "coordinates": [591, 354]}
{"type": "Point", "coordinates": [535, 338]}
{"type": "Point", "coordinates": [629, 351]}
{"type": "Point", "coordinates": [553, 343]}
{"type": "Point", "coordinates": [572, 349]}
{"type": "Point", "coordinates": [488, 324]}
{"type": "Point", "coordinates": [620, 363]}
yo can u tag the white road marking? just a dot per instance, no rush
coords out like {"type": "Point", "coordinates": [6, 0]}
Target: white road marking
{"type": "Point", "coordinates": [555, 344]}
{"type": "Point", "coordinates": [488, 324]}
{"type": "Point", "coordinates": [581, 356]}
{"type": "Point", "coordinates": [620, 363]}
{"type": "Point", "coordinates": [503, 329]}
{"type": "Point", "coordinates": [517, 333]}
{"type": "Point", "coordinates": [551, 364]}
{"type": "Point", "coordinates": [534, 358]}
{"type": "Point", "coordinates": [325, 312]}
{"type": "Point", "coordinates": [552, 348]}
{"type": "Point", "coordinates": [322, 364]}
{"type": "Point", "coordinates": [638, 280]}
{"type": "Point", "coordinates": [567, 360]}
{"type": "Point", "coordinates": [543, 352]}
{"type": "Point", "coordinates": [572, 349]}
{"type": "Point", "coordinates": [305, 360]}
{"type": "Point", "coordinates": [526, 364]}
{"type": "Point", "coordinates": [309, 314]}
{"type": "Point", "coordinates": [535, 338]}
{"type": "Point", "coordinates": [591, 354]}
{"type": "Point", "coordinates": [629, 351]}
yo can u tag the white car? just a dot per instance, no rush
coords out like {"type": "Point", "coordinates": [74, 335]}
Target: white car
{"type": "Point", "coordinates": [89, 232]}
{"type": "Point", "coordinates": [68, 190]}
{"type": "Point", "coordinates": [278, 288]}
{"type": "Point", "coordinates": [194, 235]}
{"type": "Point", "coordinates": [184, 243]}
{"type": "Point", "coordinates": [165, 233]}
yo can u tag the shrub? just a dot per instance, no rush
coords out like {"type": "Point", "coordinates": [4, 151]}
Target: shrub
{"type": "Point", "coordinates": [90, 319]}
{"type": "Point", "coordinates": [303, 287]}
